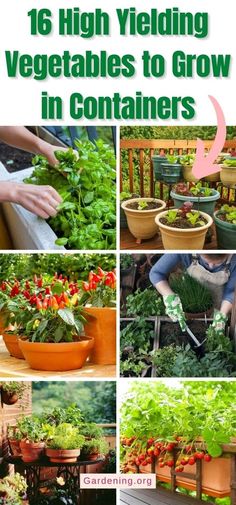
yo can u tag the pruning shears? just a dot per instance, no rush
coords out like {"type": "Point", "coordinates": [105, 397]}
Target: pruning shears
{"type": "Point", "coordinates": [196, 341]}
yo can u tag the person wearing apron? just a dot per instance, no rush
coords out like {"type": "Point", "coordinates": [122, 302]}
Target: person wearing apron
{"type": "Point", "coordinates": [215, 271]}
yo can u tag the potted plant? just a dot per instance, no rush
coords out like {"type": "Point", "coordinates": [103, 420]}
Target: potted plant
{"type": "Point", "coordinates": [157, 161]}
{"type": "Point", "coordinates": [13, 490]}
{"type": "Point", "coordinates": [187, 162]}
{"type": "Point", "coordinates": [203, 198]}
{"type": "Point", "coordinates": [91, 430]}
{"type": "Point", "coordinates": [14, 437]}
{"type": "Point", "coordinates": [225, 222]}
{"type": "Point", "coordinates": [126, 264]}
{"type": "Point", "coordinates": [183, 228]}
{"type": "Point", "coordinates": [64, 444]}
{"type": "Point", "coordinates": [12, 391]}
{"type": "Point", "coordinates": [94, 449]}
{"type": "Point", "coordinates": [228, 172]}
{"type": "Point", "coordinates": [196, 298]}
{"type": "Point", "coordinates": [33, 436]}
{"type": "Point", "coordinates": [53, 339]}
{"type": "Point", "coordinates": [171, 170]}
{"type": "Point", "coordinates": [7, 329]}
{"type": "Point", "coordinates": [125, 195]}
{"type": "Point", "coordinates": [99, 301]}
{"type": "Point", "coordinates": [140, 213]}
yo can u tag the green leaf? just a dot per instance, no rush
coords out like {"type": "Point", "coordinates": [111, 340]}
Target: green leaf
{"type": "Point", "coordinates": [58, 335]}
{"type": "Point", "coordinates": [67, 316]}
{"type": "Point", "coordinates": [61, 241]}
{"type": "Point", "coordinates": [214, 449]}
{"type": "Point", "coordinates": [89, 197]}
{"type": "Point", "coordinates": [58, 288]}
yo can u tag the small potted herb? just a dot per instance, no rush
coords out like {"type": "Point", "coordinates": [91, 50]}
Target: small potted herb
{"type": "Point", "coordinates": [187, 162]}
{"type": "Point", "coordinates": [183, 228]}
{"type": "Point", "coordinates": [171, 170]}
{"type": "Point", "coordinates": [141, 213]}
{"type": "Point", "coordinates": [94, 449]}
{"type": "Point", "coordinates": [14, 437]}
{"type": "Point", "coordinates": [99, 301]}
{"type": "Point", "coordinates": [225, 221]}
{"type": "Point", "coordinates": [157, 161]}
{"type": "Point", "coordinates": [196, 298]}
{"type": "Point", "coordinates": [203, 198]}
{"type": "Point", "coordinates": [34, 434]}
{"type": "Point", "coordinates": [64, 444]}
{"type": "Point", "coordinates": [228, 172]}
{"type": "Point", "coordinates": [91, 430]}
{"type": "Point", "coordinates": [12, 391]}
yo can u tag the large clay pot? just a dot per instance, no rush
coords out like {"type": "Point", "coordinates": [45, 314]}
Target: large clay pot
{"type": "Point", "coordinates": [31, 451]}
{"type": "Point", "coordinates": [57, 357]}
{"type": "Point", "coordinates": [204, 204]}
{"type": "Point", "coordinates": [101, 324]}
{"type": "Point", "coordinates": [63, 455]}
{"type": "Point", "coordinates": [178, 238]}
{"type": "Point", "coordinates": [11, 342]}
{"type": "Point", "coordinates": [225, 233]}
{"type": "Point", "coordinates": [14, 447]}
{"type": "Point", "coordinates": [215, 477]}
{"type": "Point", "coordinates": [141, 223]}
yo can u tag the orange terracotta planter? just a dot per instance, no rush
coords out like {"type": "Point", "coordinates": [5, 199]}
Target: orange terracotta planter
{"type": "Point", "coordinates": [31, 451]}
{"type": "Point", "coordinates": [57, 357]}
{"type": "Point", "coordinates": [11, 342]}
{"type": "Point", "coordinates": [14, 447]}
{"type": "Point", "coordinates": [9, 398]}
{"type": "Point", "coordinates": [215, 477]}
{"type": "Point", "coordinates": [63, 455]}
{"type": "Point", "coordinates": [102, 326]}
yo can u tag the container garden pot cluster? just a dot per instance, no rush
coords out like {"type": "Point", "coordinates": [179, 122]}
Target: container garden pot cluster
{"type": "Point", "coordinates": [152, 345]}
{"type": "Point", "coordinates": [170, 431]}
{"type": "Point", "coordinates": [62, 436]}
{"type": "Point", "coordinates": [225, 222]}
{"type": "Point", "coordinates": [183, 228]}
{"type": "Point", "coordinates": [59, 324]}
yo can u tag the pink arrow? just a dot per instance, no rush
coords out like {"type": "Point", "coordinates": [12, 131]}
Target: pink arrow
{"type": "Point", "coordinates": [204, 165]}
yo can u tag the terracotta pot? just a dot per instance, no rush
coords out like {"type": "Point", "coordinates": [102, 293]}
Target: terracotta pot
{"type": "Point", "coordinates": [215, 477]}
{"type": "Point", "coordinates": [188, 174]}
{"type": "Point", "coordinates": [11, 342]}
{"type": "Point", "coordinates": [9, 398]}
{"type": "Point", "coordinates": [57, 357]}
{"type": "Point", "coordinates": [14, 447]}
{"type": "Point", "coordinates": [92, 457]}
{"type": "Point", "coordinates": [63, 455]}
{"type": "Point", "coordinates": [179, 238]}
{"type": "Point", "coordinates": [31, 451]}
{"type": "Point", "coordinates": [141, 223]}
{"type": "Point", "coordinates": [102, 326]}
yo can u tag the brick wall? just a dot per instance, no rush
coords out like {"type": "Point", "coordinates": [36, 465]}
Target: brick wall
{"type": "Point", "coordinates": [8, 416]}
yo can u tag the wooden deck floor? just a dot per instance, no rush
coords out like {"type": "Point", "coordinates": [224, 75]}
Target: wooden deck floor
{"type": "Point", "coordinates": [127, 241]}
{"type": "Point", "coordinates": [18, 368]}
{"type": "Point", "coordinates": [158, 496]}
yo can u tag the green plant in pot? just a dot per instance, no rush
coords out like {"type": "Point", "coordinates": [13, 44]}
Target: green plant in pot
{"type": "Point", "coordinates": [157, 161]}
{"type": "Point", "coordinates": [33, 437]}
{"type": "Point", "coordinates": [13, 490]}
{"type": "Point", "coordinates": [202, 198]}
{"type": "Point", "coordinates": [14, 437]}
{"type": "Point", "coordinates": [64, 444]}
{"type": "Point", "coordinates": [140, 213]}
{"type": "Point", "coordinates": [225, 222]}
{"type": "Point", "coordinates": [126, 264]}
{"type": "Point", "coordinates": [195, 297]}
{"type": "Point", "coordinates": [91, 430]}
{"type": "Point", "coordinates": [187, 162]}
{"type": "Point", "coordinates": [54, 338]}
{"type": "Point", "coordinates": [94, 449]}
{"type": "Point", "coordinates": [171, 170]}
{"type": "Point", "coordinates": [228, 172]}
{"type": "Point", "coordinates": [12, 391]}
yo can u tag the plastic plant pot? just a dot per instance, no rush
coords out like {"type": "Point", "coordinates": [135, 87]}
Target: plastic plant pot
{"type": "Point", "coordinates": [157, 165]}
{"type": "Point", "coordinates": [183, 238]}
{"type": "Point", "coordinates": [204, 203]}
{"type": "Point", "coordinates": [141, 223]}
{"type": "Point", "coordinates": [225, 233]}
{"type": "Point", "coordinates": [228, 174]}
{"type": "Point", "coordinates": [171, 172]}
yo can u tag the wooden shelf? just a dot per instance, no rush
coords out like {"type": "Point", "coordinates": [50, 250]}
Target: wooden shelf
{"type": "Point", "coordinates": [18, 368]}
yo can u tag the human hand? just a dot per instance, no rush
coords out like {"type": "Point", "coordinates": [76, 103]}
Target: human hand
{"type": "Point", "coordinates": [49, 152]}
{"type": "Point", "coordinates": [219, 321]}
{"type": "Point", "coordinates": [174, 310]}
{"type": "Point", "coordinates": [41, 200]}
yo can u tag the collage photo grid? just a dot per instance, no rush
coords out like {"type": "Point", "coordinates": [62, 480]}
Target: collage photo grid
{"type": "Point", "coordinates": [117, 316]}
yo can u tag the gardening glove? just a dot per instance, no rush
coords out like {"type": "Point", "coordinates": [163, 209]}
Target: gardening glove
{"type": "Point", "coordinates": [174, 310]}
{"type": "Point", "coordinates": [219, 321]}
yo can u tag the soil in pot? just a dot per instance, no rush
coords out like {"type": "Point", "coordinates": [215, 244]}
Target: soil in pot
{"type": "Point", "coordinates": [63, 455]}
{"type": "Point", "coordinates": [9, 398]}
{"type": "Point", "coordinates": [60, 357]}
{"type": "Point", "coordinates": [182, 223]}
{"type": "Point", "coordinates": [150, 206]}
{"type": "Point", "coordinates": [11, 342]}
{"type": "Point", "coordinates": [31, 451]}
